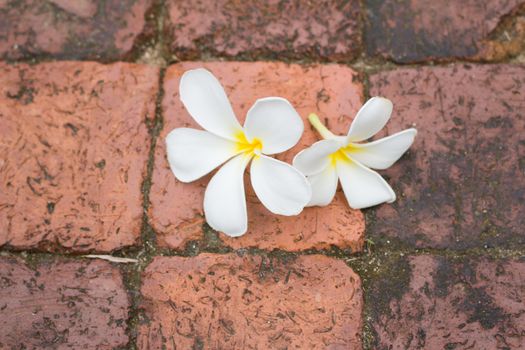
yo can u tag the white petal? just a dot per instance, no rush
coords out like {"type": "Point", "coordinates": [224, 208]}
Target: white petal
{"type": "Point", "coordinates": [315, 158]}
{"type": "Point", "coordinates": [194, 153]}
{"type": "Point", "coordinates": [363, 187]}
{"type": "Point", "coordinates": [281, 188]}
{"type": "Point", "coordinates": [384, 152]}
{"type": "Point", "coordinates": [371, 118]}
{"type": "Point", "coordinates": [224, 199]}
{"type": "Point", "coordinates": [324, 185]}
{"type": "Point", "coordinates": [205, 99]}
{"type": "Point", "coordinates": [275, 123]}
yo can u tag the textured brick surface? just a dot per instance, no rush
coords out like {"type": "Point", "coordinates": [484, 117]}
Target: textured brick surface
{"type": "Point", "coordinates": [80, 29]}
{"type": "Point", "coordinates": [463, 180]}
{"type": "Point", "coordinates": [176, 209]}
{"type": "Point", "coordinates": [73, 152]}
{"type": "Point", "coordinates": [231, 302]}
{"type": "Point", "coordinates": [63, 305]}
{"type": "Point", "coordinates": [328, 29]}
{"type": "Point", "coordinates": [418, 30]}
{"type": "Point", "coordinates": [437, 303]}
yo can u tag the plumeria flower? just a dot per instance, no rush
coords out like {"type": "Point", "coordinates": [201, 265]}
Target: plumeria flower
{"type": "Point", "coordinates": [272, 126]}
{"type": "Point", "coordinates": [346, 159]}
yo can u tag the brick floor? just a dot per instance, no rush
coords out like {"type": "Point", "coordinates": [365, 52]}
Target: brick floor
{"type": "Point", "coordinates": [80, 29]}
{"type": "Point", "coordinates": [333, 91]}
{"type": "Point", "coordinates": [62, 305]}
{"type": "Point", "coordinates": [419, 30]}
{"type": "Point", "coordinates": [232, 302]}
{"type": "Point", "coordinates": [463, 180]}
{"type": "Point", "coordinates": [445, 264]}
{"type": "Point", "coordinates": [73, 152]}
{"type": "Point", "coordinates": [451, 304]}
{"type": "Point", "coordinates": [326, 29]}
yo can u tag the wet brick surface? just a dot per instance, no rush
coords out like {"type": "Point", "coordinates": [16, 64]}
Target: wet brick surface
{"type": "Point", "coordinates": [232, 302]}
{"type": "Point", "coordinates": [176, 208]}
{"type": "Point", "coordinates": [73, 153]}
{"type": "Point", "coordinates": [462, 183]}
{"type": "Point", "coordinates": [439, 303]}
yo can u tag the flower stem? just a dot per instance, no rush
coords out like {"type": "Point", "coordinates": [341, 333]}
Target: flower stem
{"type": "Point", "coordinates": [320, 127]}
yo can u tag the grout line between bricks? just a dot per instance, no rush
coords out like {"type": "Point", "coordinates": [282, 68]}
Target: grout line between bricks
{"type": "Point", "coordinates": [367, 330]}
{"type": "Point", "coordinates": [367, 253]}
{"type": "Point", "coordinates": [132, 272]}
{"type": "Point", "coordinates": [158, 54]}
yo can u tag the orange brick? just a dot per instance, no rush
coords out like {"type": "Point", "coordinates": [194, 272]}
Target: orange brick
{"type": "Point", "coordinates": [73, 153]}
{"type": "Point", "coordinates": [330, 90]}
{"type": "Point", "coordinates": [232, 302]}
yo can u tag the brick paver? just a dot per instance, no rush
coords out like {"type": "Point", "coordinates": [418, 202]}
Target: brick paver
{"type": "Point", "coordinates": [73, 152]}
{"type": "Point", "coordinates": [439, 303]}
{"type": "Point", "coordinates": [419, 30]}
{"type": "Point", "coordinates": [326, 29]}
{"type": "Point", "coordinates": [233, 302]}
{"type": "Point", "coordinates": [80, 29]}
{"type": "Point", "coordinates": [331, 90]}
{"type": "Point", "coordinates": [463, 180]}
{"type": "Point", "coordinates": [62, 305]}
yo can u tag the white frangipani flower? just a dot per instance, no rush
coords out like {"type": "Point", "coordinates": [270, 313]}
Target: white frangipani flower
{"type": "Point", "coordinates": [343, 158]}
{"type": "Point", "coordinates": [272, 126]}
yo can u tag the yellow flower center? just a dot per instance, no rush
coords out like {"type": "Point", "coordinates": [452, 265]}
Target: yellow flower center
{"type": "Point", "coordinates": [341, 154]}
{"type": "Point", "coordinates": [338, 156]}
{"type": "Point", "coordinates": [245, 146]}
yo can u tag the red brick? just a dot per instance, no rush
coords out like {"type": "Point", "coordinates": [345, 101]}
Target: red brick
{"type": "Point", "coordinates": [176, 208]}
{"type": "Point", "coordinates": [326, 29]}
{"type": "Point", "coordinates": [73, 152]}
{"type": "Point", "coordinates": [232, 302]}
{"type": "Point", "coordinates": [446, 304]}
{"type": "Point", "coordinates": [80, 29]}
{"type": "Point", "coordinates": [462, 183]}
{"type": "Point", "coordinates": [419, 30]}
{"type": "Point", "coordinates": [62, 305]}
